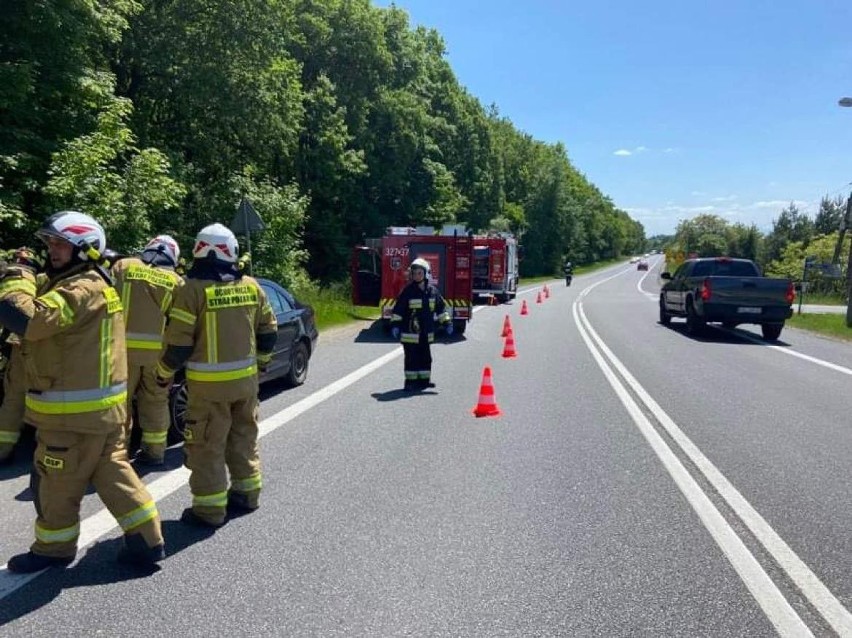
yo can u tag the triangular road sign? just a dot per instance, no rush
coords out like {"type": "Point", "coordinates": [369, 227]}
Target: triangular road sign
{"type": "Point", "coordinates": [246, 219]}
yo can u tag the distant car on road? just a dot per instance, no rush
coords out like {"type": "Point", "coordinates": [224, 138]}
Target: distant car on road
{"type": "Point", "coordinates": [297, 340]}
{"type": "Point", "coordinates": [642, 265]}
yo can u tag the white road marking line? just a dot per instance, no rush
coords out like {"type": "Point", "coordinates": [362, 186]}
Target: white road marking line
{"type": "Point", "coordinates": [649, 295]}
{"type": "Point", "coordinates": [789, 351]}
{"type": "Point", "coordinates": [102, 523]}
{"type": "Point", "coordinates": [809, 583]}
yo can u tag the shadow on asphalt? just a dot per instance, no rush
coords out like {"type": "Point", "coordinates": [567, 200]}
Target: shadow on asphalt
{"type": "Point", "coordinates": [396, 395]}
{"type": "Point", "coordinates": [374, 333]}
{"type": "Point", "coordinates": [96, 567]}
{"type": "Point", "coordinates": [718, 334]}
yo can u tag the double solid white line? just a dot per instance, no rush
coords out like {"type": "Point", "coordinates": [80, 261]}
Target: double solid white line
{"type": "Point", "coordinates": [776, 607]}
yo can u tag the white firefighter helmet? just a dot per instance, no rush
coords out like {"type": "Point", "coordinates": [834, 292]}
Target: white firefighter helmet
{"type": "Point", "coordinates": [79, 229]}
{"type": "Point", "coordinates": [217, 240]}
{"type": "Point", "coordinates": [164, 245]}
{"type": "Point", "coordinates": [420, 263]}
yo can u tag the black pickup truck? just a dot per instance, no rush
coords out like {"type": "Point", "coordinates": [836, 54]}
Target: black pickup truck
{"type": "Point", "coordinates": [728, 291]}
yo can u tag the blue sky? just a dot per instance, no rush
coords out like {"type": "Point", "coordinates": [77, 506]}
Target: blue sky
{"type": "Point", "coordinates": [672, 108]}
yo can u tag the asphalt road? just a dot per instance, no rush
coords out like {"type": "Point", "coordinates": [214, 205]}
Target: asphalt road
{"type": "Point", "coordinates": [639, 482]}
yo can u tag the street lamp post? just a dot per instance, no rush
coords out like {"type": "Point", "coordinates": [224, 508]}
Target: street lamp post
{"type": "Point", "coordinates": [847, 101]}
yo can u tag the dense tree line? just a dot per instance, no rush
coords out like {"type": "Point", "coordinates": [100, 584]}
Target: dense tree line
{"type": "Point", "coordinates": [336, 119]}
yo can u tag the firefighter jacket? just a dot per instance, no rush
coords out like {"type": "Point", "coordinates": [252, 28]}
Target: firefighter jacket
{"type": "Point", "coordinates": [147, 292]}
{"type": "Point", "coordinates": [415, 313]}
{"type": "Point", "coordinates": [221, 326]}
{"type": "Point", "coordinates": [74, 353]}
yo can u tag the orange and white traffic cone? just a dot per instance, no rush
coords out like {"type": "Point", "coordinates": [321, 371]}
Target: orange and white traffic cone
{"type": "Point", "coordinates": [507, 327]}
{"type": "Point", "coordinates": [509, 347]}
{"type": "Point", "coordinates": [486, 405]}
{"type": "Point", "coordinates": [524, 310]}
{"type": "Point", "coordinates": [538, 297]}
{"type": "Point", "coordinates": [546, 292]}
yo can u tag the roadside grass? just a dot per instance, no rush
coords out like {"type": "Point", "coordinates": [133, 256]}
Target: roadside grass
{"type": "Point", "coordinates": [333, 307]}
{"type": "Point", "coordinates": [822, 300]}
{"type": "Point", "coordinates": [831, 325]}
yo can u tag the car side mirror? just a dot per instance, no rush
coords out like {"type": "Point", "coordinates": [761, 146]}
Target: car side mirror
{"type": "Point", "coordinates": [797, 287]}
{"type": "Point", "coordinates": [665, 275]}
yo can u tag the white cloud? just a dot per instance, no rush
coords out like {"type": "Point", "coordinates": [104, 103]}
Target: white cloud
{"type": "Point", "coordinates": [664, 217]}
{"type": "Point", "coordinates": [780, 204]}
{"type": "Point", "coordinates": [670, 149]}
{"type": "Point", "coordinates": [623, 152]}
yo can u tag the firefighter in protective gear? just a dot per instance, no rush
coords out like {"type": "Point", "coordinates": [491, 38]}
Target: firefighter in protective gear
{"type": "Point", "coordinates": [147, 285]}
{"type": "Point", "coordinates": [73, 335]}
{"type": "Point", "coordinates": [222, 328]}
{"type": "Point", "coordinates": [19, 284]}
{"type": "Point", "coordinates": [413, 322]}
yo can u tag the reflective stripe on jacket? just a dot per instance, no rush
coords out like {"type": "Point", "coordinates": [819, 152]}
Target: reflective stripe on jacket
{"type": "Point", "coordinates": [416, 312]}
{"type": "Point", "coordinates": [147, 293]}
{"type": "Point", "coordinates": [220, 320]}
{"type": "Point", "coordinates": [75, 355]}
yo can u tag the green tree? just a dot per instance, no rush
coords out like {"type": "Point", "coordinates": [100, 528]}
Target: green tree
{"type": "Point", "coordinates": [54, 80]}
{"type": "Point", "coordinates": [831, 211]}
{"type": "Point", "coordinates": [129, 190]}
{"type": "Point", "coordinates": [792, 225]}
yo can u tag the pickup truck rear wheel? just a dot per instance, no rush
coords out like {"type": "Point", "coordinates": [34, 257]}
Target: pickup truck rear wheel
{"type": "Point", "coordinates": [665, 317]}
{"type": "Point", "coordinates": [694, 324]}
{"type": "Point", "coordinates": [771, 331]}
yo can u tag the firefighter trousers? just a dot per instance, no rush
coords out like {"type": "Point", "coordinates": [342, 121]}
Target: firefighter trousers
{"type": "Point", "coordinates": [152, 406]}
{"type": "Point", "coordinates": [221, 438]}
{"type": "Point", "coordinates": [64, 465]}
{"type": "Point", "coordinates": [417, 362]}
{"type": "Point", "coordinates": [12, 409]}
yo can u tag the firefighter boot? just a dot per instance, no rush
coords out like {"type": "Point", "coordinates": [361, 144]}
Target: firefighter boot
{"type": "Point", "coordinates": [240, 503]}
{"type": "Point", "coordinates": [29, 563]}
{"type": "Point", "coordinates": [189, 517]}
{"type": "Point", "coordinates": [136, 552]}
{"type": "Point", "coordinates": [150, 457]}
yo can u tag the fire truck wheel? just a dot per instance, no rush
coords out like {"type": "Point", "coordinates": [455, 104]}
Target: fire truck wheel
{"type": "Point", "coordinates": [459, 326]}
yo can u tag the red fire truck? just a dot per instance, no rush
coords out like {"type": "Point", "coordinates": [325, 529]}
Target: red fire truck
{"type": "Point", "coordinates": [495, 266]}
{"type": "Point", "coordinates": [379, 268]}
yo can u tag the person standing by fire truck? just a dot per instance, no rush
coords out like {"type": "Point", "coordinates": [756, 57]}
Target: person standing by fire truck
{"type": "Point", "coordinates": [413, 323]}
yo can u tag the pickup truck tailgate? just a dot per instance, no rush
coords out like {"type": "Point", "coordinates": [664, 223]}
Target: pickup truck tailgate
{"type": "Point", "coordinates": [750, 291]}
